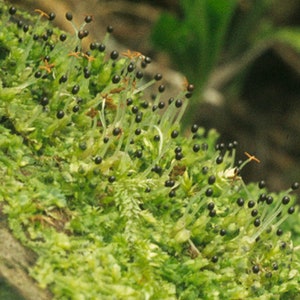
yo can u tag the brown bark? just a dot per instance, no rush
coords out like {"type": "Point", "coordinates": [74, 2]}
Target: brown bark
{"type": "Point", "coordinates": [15, 261]}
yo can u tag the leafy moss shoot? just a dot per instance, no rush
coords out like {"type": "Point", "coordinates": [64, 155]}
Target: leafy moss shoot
{"type": "Point", "coordinates": [118, 202]}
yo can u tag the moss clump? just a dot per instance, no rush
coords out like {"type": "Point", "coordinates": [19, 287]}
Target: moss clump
{"type": "Point", "coordinates": [116, 202]}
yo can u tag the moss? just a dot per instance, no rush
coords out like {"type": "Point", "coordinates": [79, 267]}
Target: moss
{"type": "Point", "coordinates": [115, 201]}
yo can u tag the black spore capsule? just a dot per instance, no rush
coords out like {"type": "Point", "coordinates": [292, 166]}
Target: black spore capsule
{"type": "Point", "coordinates": [178, 103]}
{"type": "Point", "coordinates": [219, 159]}
{"type": "Point", "coordinates": [116, 131]}
{"type": "Point", "coordinates": [88, 19]}
{"type": "Point", "coordinates": [223, 232]}
{"type": "Point", "coordinates": [63, 37]}
{"type": "Point", "coordinates": [158, 77]}
{"type": "Point", "coordinates": [240, 202]}
{"type": "Point", "coordinates": [210, 206]}
{"type": "Point", "coordinates": [285, 200]}
{"type": "Point", "coordinates": [75, 89]}
{"type": "Point", "coordinates": [295, 186]}
{"type": "Point", "coordinates": [214, 259]}
{"type": "Point", "coordinates": [116, 79]}
{"type": "Point", "coordinates": [291, 210]}
{"type": "Point", "coordinates": [209, 192]}
{"type": "Point", "coordinates": [44, 101]}
{"type": "Point", "coordinates": [261, 184]}
{"type": "Point", "coordinates": [69, 16]}
{"type": "Point", "coordinates": [255, 269]}
{"type": "Point", "coordinates": [52, 16]}
{"type": "Point", "coordinates": [111, 179]}
{"type": "Point", "coordinates": [12, 10]}
{"type": "Point", "coordinates": [114, 54]}
{"type": "Point", "coordinates": [174, 134]}
{"type": "Point", "coordinates": [60, 114]}
{"type": "Point", "coordinates": [251, 203]}
{"type": "Point", "coordinates": [109, 29]}
{"type": "Point", "coordinates": [211, 179]}
{"type": "Point", "coordinates": [194, 128]}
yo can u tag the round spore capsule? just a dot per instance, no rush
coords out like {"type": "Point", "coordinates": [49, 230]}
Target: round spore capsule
{"type": "Point", "coordinates": [256, 222]}
{"type": "Point", "coordinates": [20, 23]}
{"type": "Point", "coordinates": [63, 79]}
{"type": "Point", "coordinates": [214, 259]}
{"type": "Point", "coordinates": [178, 103]}
{"type": "Point", "coordinates": [170, 100]}
{"type": "Point", "coordinates": [134, 109]}
{"type": "Point", "coordinates": [212, 213]}
{"type": "Point", "coordinates": [261, 184]}
{"type": "Point", "coordinates": [93, 46]}
{"type": "Point", "coordinates": [129, 101]}
{"type": "Point", "coordinates": [204, 170]}
{"type": "Point", "coordinates": [12, 10]}
{"type": "Point", "coordinates": [251, 203]}
{"type": "Point", "coordinates": [25, 28]}
{"type": "Point", "coordinates": [69, 16]}
{"type": "Point", "coordinates": [196, 147]}
{"type": "Point", "coordinates": [211, 179]}
{"type": "Point", "coordinates": [138, 153]}
{"type": "Point", "coordinates": [295, 186]}
{"type": "Point", "coordinates": [240, 202]}
{"type": "Point", "coordinates": [172, 194]}
{"type": "Point", "coordinates": [285, 200]}
{"type": "Point", "coordinates": [52, 16]}
{"type": "Point", "coordinates": [111, 179]}
{"type": "Point", "coordinates": [161, 105]}
{"type": "Point", "coordinates": [161, 88]}
{"type": "Point", "coordinates": [75, 108]}
{"type": "Point", "coordinates": [44, 101]}
{"type": "Point", "coordinates": [194, 128]}
{"type": "Point", "coordinates": [156, 138]}
{"type": "Point", "coordinates": [147, 59]}
{"type": "Point", "coordinates": [138, 131]}
{"type": "Point", "coordinates": [269, 200]}
{"type": "Point", "coordinates": [209, 192]}
{"type": "Point", "coordinates": [174, 134]}
{"type": "Point", "coordinates": [178, 156]}
{"type": "Point", "coordinates": [60, 114]}
{"type": "Point", "coordinates": [130, 67]}
{"type": "Point", "coordinates": [75, 89]}
{"type": "Point", "coordinates": [139, 75]}
{"type": "Point", "coordinates": [88, 19]}
{"type": "Point", "coordinates": [254, 212]}
{"type": "Point", "coordinates": [109, 29]}
{"type": "Point", "coordinates": [63, 37]}
{"type": "Point", "coordinates": [291, 210]}
{"type": "Point", "coordinates": [116, 131]}
{"type": "Point", "coordinates": [219, 159]}
{"type": "Point", "coordinates": [177, 149]}
{"type": "Point", "coordinates": [223, 232]}
{"type": "Point", "coordinates": [158, 76]}
{"type": "Point", "coordinates": [210, 206]}
{"type": "Point", "coordinates": [82, 34]}
{"type": "Point", "coordinates": [255, 269]}
{"type": "Point", "coordinates": [138, 117]}
{"type": "Point", "coordinates": [114, 54]}
{"type": "Point", "coordinates": [116, 79]}
{"type": "Point", "coordinates": [101, 47]}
